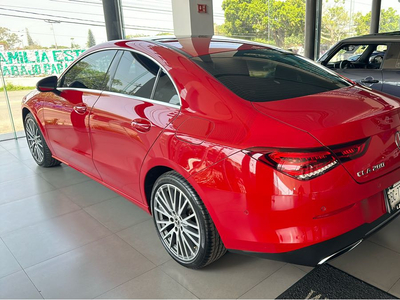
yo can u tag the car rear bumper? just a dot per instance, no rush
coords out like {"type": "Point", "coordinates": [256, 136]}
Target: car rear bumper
{"type": "Point", "coordinates": [322, 252]}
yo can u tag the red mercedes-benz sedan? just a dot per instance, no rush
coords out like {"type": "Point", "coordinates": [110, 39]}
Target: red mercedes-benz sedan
{"type": "Point", "coordinates": [228, 144]}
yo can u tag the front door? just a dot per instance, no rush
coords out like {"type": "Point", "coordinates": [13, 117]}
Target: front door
{"type": "Point", "coordinates": [127, 119]}
{"type": "Point", "coordinates": [66, 115]}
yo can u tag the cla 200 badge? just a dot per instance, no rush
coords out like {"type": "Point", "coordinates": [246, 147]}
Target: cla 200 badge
{"type": "Point", "coordinates": [369, 170]}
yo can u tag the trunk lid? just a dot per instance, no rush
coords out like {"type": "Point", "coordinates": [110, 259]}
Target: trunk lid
{"type": "Point", "coordinates": [343, 116]}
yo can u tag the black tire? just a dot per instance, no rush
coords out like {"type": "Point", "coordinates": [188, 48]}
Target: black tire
{"type": "Point", "coordinates": [37, 144]}
{"type": "Point", "coordinates": [199, 252]}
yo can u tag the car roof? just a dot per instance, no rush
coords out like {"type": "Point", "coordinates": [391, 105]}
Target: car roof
{"type": "Point", "coordinates": [205, 45]}
{"type": "Point", "coordinates": [375, 37]}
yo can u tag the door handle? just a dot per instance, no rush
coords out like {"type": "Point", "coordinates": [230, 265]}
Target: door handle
{"type": "Point", "coordinates": [141, 125]}
{"type": "Point", "coordinates": [369, 80]}
{"type": "Point", "coordinates": [80, 109]}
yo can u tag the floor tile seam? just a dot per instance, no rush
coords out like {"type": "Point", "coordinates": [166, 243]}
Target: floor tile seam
{"type": "Point", "coordinates": [114, 197]}
{"type": "Point", "coordinates": [22, 199]}
{"type": "Point", "coordinates": [117, 233]}
{"type": "Point", "coordinates": [383, 246]}
{"type": "Point", "coordinates": [175, 280]}
{"type": "Point", "coordinates": [22, 269]}
{"type": "Point", "coordinates": [17, 178]}
{"type": "Point", "coordinates": [70, 250]}
{"type": "Point", "coordinates": [62, 187]}
{"type": "Point", "coordinates": [64, 193]}
{"type": "Point", "coordinates": [398, 281]}
{"type": "Point", "coordinates": [134, 277]}
{"type": "Point", "coordinates": [12, 139]}
{"type": "Point", "coordinates": [12, 273]}
{"type": "Point", "coordinates": [257, 284]}
{"type": "Point", "coordinates": [16, 156]}
{"type": "Point", "coordinates": [134, 224]}
{"type": "Point", "coordinates": [81, 246]}
{"type": "Point", "coordinates": [297, 267]}
{"type": "Point", "coordinates": [125, 242]}
{"type": "Point", "coordinates": [11, 152]}
{"type": "Point", "coordinates": [32, 175]}
{"type": "Point", "coordinates": [36, 194]}
{"type": "Point", "coordinates": [15, 148]}
{"type": "Point", "coordinates": [111, 233]}
{"type": "Point", "coordinates": [193, 293]}
{"type": "Point", "coordinates": [3, 235]}
{"type": "Point", "coordinates": [84, 209]}
{"type": "Point", "coordinates": [8, 152]}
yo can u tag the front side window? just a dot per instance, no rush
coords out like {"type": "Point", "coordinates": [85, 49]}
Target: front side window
{"type": "Point", "coordinates": [90, 72]}
{"type": "Point", "coordinates": [365, 56]}
{"type": "Point", "coordinates": [135, 75]}
{"type": "Point", "coordinates": [262, 75]}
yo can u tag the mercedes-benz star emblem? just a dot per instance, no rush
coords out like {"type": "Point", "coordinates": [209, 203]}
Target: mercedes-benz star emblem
{"type": "Point", "coordinates": [397, 139]}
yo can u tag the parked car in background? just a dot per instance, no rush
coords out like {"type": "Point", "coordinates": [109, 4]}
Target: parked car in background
{"type": "Point", "coordinates": [372, 60]}
{"type": "Point", "coordinates": [228, 144]}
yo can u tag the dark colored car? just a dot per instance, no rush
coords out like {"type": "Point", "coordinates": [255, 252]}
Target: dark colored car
{"type": "Point", "coordinates": [372, 60]}
{"type": "Point", "coordinates": [228, 144]}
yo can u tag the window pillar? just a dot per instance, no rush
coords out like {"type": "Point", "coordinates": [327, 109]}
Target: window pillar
{"type": "Point", "coordinates": [113, 18]}
{"type": "Point", "coordinates": [375, 15]}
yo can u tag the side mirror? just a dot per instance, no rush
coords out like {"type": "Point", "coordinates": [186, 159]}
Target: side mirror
{"type": "Point", "coordinates": [48, 84]}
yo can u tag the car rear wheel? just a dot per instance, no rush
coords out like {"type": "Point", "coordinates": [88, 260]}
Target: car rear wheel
{"type": "Point", "coordinates": [37, 145]}
{"type": "Point", "coordinates": [183, 224]}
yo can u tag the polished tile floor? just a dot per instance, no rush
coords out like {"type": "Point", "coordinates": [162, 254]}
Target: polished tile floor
{"type": "Point", "coordinates": [63, 235]}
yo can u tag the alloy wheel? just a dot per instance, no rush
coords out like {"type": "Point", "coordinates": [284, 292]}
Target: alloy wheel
{"type": "Point", "coordinates": [34, 140]}
{"type": "Point", "coordinates": [177, 222]}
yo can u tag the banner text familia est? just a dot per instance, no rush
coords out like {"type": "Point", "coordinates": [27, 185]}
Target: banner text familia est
{"type": "Point", "coordinates": [37, 62]}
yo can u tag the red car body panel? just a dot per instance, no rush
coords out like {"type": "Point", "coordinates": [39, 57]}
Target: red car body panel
{"type": "Point", "coordinates": [112, 131]}
{"type": "Point", "coordinates": [68, 130]}
{"type": "Point", "coordinates": [366, 114]}
{"type": "Point", "coordinates": [254, 207]}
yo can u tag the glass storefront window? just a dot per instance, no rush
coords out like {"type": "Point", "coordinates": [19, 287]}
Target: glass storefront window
{"type": "Point", "coordinates": [39, 39]}
{"type": "Point", "coordinates": [6, 124]}
{"type": "Point", "coordinates": [348, 18]}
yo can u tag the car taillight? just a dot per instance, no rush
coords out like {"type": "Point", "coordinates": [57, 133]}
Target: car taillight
{"type": "Point", "coordinates": [349, 151]}
{"type": "Point", "coordinates": [305, 164]}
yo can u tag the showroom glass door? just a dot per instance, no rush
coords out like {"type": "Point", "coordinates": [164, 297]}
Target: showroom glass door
{"type": "Point", "coordinates": [7, 126]}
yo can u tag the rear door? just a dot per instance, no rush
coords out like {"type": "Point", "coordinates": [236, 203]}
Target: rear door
{"type": "Point", "coordinates": [126, 120]}
{"type": "Point", "coordinates": [391, 71]}
{"type": "Point", "coordinates": [67, 114]}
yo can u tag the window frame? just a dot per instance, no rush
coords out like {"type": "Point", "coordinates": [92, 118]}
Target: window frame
{"type": "Point", "coordinates": [114, 69]}
{"type": "Point", "coordinates": [61, 79]}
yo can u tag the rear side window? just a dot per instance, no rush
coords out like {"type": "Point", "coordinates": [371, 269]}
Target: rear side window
{"type": "Point", "coordinates": [263, 75]}
{"type": "Point", "coordinates": [135, 75]}
{"type": "Point", "coordinates": [165, 90]}
{"type": "Point", "coordinates": [90, 72]}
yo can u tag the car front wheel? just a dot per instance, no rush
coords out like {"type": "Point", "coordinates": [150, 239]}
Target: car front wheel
{"type": "Point", "coordinates": [183, 224]}
{"type": "Point", "coordinates": [37, 145]}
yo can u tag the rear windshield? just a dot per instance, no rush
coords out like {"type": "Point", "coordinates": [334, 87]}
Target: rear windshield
{"type": "Point", "coordinates": [262, 75]}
